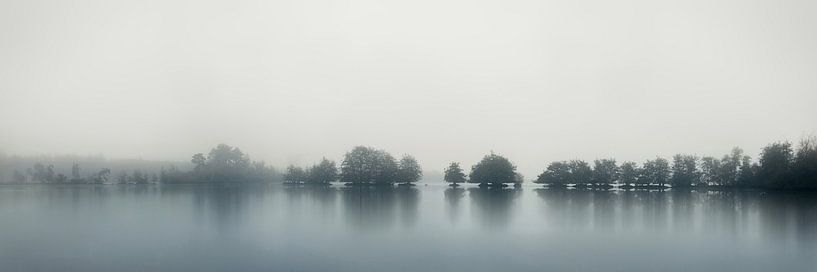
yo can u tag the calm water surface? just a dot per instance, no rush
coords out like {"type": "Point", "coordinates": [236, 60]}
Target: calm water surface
{"type": "Point", "coordinates": [426, 228]}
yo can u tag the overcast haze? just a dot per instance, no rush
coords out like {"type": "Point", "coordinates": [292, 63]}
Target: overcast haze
{"type": "Point", "coordinates": [292, 81]}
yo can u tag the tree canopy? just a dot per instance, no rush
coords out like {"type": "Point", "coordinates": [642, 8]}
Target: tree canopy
{"type": "Point", "coordinates": [684, 170]}
{"type": "Point", "coordinates": [493, 169]}
{"type": "Point", "coordinates": [223, 163]}
{"type": "Point", "coordinates": [366, 165]}
{"type": "Point", "coordinates": [454, 174]}
{"type": "Point", "coordinates": [408, 170]}
{"type": "Point", "coordinates": [324, 172]}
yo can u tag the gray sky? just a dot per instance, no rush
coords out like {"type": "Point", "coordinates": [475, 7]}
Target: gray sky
{"type": "Point", "coordinates": [292, 81]}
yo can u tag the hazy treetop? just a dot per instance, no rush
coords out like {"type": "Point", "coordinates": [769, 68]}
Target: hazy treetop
{"type": "Point", "coordinates": [450, 80]}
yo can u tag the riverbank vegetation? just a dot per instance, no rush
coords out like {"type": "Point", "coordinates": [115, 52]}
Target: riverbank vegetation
{"type": "Point", "coordinates": [322, 173]}
{"type": "Point", "coordinates": [778, 167]}
{"type": "Point", "coordinates": [368, 166]}
{"type": "Point", "coordinates": [223, 163]}
{"type": "Point", "coordinates": [78, 169]}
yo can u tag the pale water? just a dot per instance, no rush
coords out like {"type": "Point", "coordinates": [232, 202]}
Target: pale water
{"type": "Point", "coordinates": [425, 228]}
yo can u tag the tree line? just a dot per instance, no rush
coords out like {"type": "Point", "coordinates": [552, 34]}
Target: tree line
{"type": "Point", "coordinates": [360, 166]}
{"type": "Point", "coordinates": [779, 167]}
{"type": "Point", "coordinates": [223, 163]}
{"type": "Point", "coordinates": [492, 170]}
{"type": "Point", "coordinates": [40, 173]}
{"type": "Point", "coordinates": [72, 169]}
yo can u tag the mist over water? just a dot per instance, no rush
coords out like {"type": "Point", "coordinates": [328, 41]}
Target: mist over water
{"type": "Point", "coordinates": [292, 81]}
{"type": "Point", "coordinates": [313, 135]}
{"type": "Point", "coordinates": [423, 228]}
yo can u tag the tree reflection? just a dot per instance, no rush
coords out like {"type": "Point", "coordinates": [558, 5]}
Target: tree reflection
{"type": "Point", "coordinates": [225, 205]}
{"type": "Point", "coordinates": [682, 209]}
{"type": "Point", "coordinates": [453, 197]}
{"type": "Point", "coordinates": [407, 199]}
{"type": "Point", "coordinates": [789, 217]}
{"type": "Point", "coordinates": [367, 208]}
{"type": "Point", "coordinates": [603, 210]}
{"type": "Point", "coordinates": [494, 204]}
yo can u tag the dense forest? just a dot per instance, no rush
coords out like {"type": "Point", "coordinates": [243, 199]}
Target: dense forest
{"type": "Point", "coordinates": [779, 166]}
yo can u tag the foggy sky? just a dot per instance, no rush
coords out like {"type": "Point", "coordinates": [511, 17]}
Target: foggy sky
{"type": "Point", "coordinates": [444, 80]}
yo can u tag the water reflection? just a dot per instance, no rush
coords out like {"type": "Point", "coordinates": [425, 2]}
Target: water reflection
{"type": "Point", "coordinates": [373, 208]}
{"type": "Point", "coordinates": [789, 217]}
{"type": "Point", "coordinates": [408, 199]}
{"type": "Point", "coordinates": [453, 197]}
{"type": "Point", "coordinates": [322, 195]}
{"type": "Point", "coordinates": [493, 205]}
{"type": "Point", "coordinates": [222, 206]}
{"type": "Point", "coordinates": [191, 228]}
{"type": "Point", "coordinates": [604, 209]}
{"type": "Point", "coordinates": [734, 215]}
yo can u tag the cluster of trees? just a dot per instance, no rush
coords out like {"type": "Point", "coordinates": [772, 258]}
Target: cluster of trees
{"type": "Point", "coordinates": [223, 163]}
{"type": "Point", "coordinates": [322, 173]}
{"type": "Point", "coordinates": [368, 166]}
{"type": "Point", "coordinates": [580, 172]}
{"type": "Point", "coordinates": [74, 169]}
{"type": "Point", "coordinates": [492, 170]}
{"type": "Point", "coordinates": [40, 173]}
{"type": "Point", "coordinates": [779, 167]}
{"type": "Point", "coordinates": [137, 176]}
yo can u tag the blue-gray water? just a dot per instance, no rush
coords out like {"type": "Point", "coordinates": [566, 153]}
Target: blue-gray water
{"type": "Point", "coordinates": [426, 228]}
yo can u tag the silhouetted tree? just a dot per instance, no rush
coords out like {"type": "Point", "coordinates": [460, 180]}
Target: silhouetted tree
{"type": "Point", "coordinates": [747, 173]}
{"type": "Point", "coordinates": [408, 170]}
{"type": "Point", "coordinates": [223, 163]}
{"type": "Point", "coordinates": [295, 174]}
{"type": "Point", "coordinates": [366, 165]}
{"type": "Point", "coordinates": [580, 172]}
{"type": "Point", "coordinates": [557, 174]}
{"type": "Point", "coordinates": [775, 164]}
{"type": "Point", "coordinates": [605, 171]}
{"type": "Point", "coordinates": [227, 163]}
{"type": "Point", "coordinates": [730, 167]}
{"type": "Point", "coordinates": [323, 172]}
{"type": "Point", "coordinates": [684, 170]}
{"type": "Point", "coordinates": [102, 175]}
{"type": "Point", "coordinates": [655, 172]}
{"type": "Point", "coordinates": [454, 174]}
{"type": "Point", "coordinates": [199, 160]}
{"type": "Point", "coordinates": [493, 169]}
{"type": "Point", "coordinates": [710, 171]}
{"type": "Point", "coordinates": [629, 173]}
{"type": "Point", "coordinates": [805, 164]}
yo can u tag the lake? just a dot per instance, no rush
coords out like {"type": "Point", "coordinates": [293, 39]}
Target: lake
{"type": "Point", "coordinates": [425, 228]}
